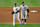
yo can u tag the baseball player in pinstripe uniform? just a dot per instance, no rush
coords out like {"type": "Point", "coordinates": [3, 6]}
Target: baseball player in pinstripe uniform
{"type": "Point", "coordinates": [24, 10]}
{"type": "Point", "coordinates": [16, 14]}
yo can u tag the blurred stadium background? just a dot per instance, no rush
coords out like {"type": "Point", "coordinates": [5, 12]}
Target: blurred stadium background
{"type": "Point", "coordinates": [6, 16]}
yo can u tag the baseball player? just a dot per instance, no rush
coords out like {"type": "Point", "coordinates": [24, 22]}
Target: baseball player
{"type": "Point", "coordinates": [16, 14]}
{"type": "Point", "coordinates": [24, 10]}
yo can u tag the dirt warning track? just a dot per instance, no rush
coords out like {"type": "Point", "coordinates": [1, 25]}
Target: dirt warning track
{"type": "Point", "coordinates": [6, 16]}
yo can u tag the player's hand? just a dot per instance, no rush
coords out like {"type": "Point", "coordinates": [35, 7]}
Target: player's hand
{"type": "Point", "coordinates": [28, 15]}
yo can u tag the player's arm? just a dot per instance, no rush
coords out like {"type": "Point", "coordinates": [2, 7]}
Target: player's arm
{"type": "Point", "coordinates": [18, 10]}
{"type": "Point", "coordinates": [13, 11]}
{"type": "Point", "coordinates": [28, 10]}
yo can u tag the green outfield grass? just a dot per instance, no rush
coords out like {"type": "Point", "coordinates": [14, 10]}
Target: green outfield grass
{"type": "Point", "coordinates": [22, 25]}
{"type": "Point", "coordinates": [10, 3]}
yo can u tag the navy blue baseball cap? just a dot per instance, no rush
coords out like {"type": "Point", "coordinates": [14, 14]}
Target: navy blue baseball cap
{"type": "Point", "coordinates": [15, 3]}
{"type": "Point", "coordinates": [22, 2]}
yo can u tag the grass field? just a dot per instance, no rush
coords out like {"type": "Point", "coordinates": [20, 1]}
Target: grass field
{"type": "Point", "coordinates": [22, 25]}
{"type": "Point", "coordinates": [10, 3]}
